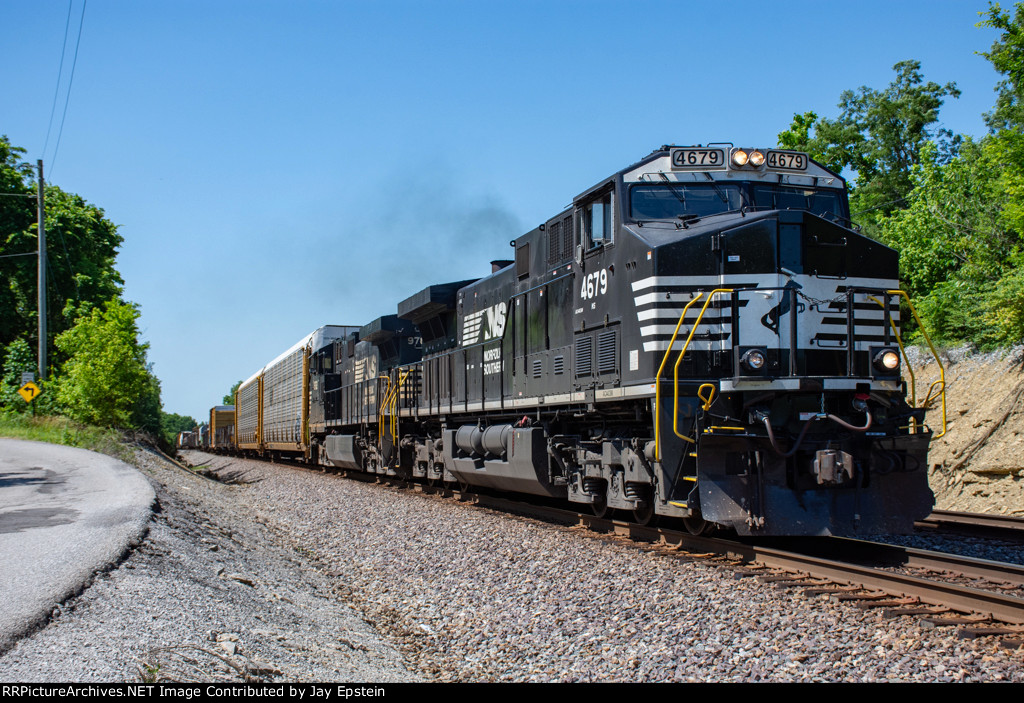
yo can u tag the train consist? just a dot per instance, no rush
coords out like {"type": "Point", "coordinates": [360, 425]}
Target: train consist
{"type": "Point", "coordinates": [702, 335]}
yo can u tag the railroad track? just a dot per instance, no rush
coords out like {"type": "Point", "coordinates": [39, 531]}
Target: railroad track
{"type": "Point", "coordinates": [1003, 527]}
{"type": "Point", "coordinates": [980, 597]}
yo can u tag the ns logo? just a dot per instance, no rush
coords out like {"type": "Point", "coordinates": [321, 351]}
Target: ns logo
{"type": "Point", "coordinates": [366, 368]}
{"type": "Point", "coordinates": [484, 325]}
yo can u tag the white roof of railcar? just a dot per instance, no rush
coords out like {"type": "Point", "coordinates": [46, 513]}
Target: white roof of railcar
{"type": "Point", "coordinates": [336, 332]}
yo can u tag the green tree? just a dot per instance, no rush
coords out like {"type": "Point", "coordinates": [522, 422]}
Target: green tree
{"type": "Point", "coordinates": [1007, 57]}
{"type": "Point", "coordinates": [105, 380]}
{"type": "Point", "coordinates": [952, 207]}
{"type": "Point", "coordinates": [81, 252]}
{"type": "Point", "coordinates": [798, 136]}
{"type": "Point", "coordinates": [954, 224]}
{"type": "Point", "coordinates": [961, 236]}
{"type": "Point", "coordinates": [172, 423]}
{"type": "Point", "coordinates": [17, 216]}
{"type": "Point", "coordinates": [879, 135]}
{"type": "Point", "coordinates": [18, 357]}
{"type": "Point", "coordinates": [819, 138]}
{"type": "Point", "coordinates": [1005, 144]}
{"type": "Point", "coordinates": [955, 242]}
{"type": "Point", "coordinates": [147, 408]}
{"type": "Point", "coordinates": [229, 399]}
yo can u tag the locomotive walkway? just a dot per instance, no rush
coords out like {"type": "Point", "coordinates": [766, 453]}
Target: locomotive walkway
{"type": "Point", "coordinates": [65, 513]}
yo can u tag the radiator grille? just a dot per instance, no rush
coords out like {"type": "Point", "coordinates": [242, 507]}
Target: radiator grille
{"type": "Point", "coordinates": [607, 352]}
{"type": "Point", "coordinates": [584, 356]}
{"type": "Point", "coordinates": [560, 241]}
{"type": "Point", "coordinates": [554, 243]}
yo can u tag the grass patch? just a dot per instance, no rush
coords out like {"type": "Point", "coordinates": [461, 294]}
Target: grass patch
{"type": "Point", "coordinates": [61, 430]}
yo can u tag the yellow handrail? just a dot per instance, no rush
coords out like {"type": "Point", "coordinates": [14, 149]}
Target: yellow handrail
{"type": "Point", "coordinates": [935, 355]}
{"type": "Point", "coordinates": [393, 424]}
{"type": "Point", "coordinates": [380, 409]}
{"type": "Point", "coordinates": [657, 379]}
{"type": "Point", "coordinates": [389, 404]}
{"type": "Point", "coordinates": [906, 359]}
{"type": "Point", "coordinates": [930, 398]}
{"type": "Point", "coordinates": [941, 383]}
{"type": "Point", "coordinates": [682, 353]}
{"type": "Point", "coordinates": [711, 395]}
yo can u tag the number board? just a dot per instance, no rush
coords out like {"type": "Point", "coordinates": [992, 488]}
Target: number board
{"type": "Point", "coordinates": [787, 160]}
{"type": "Point", "coordinates": [697, 159]}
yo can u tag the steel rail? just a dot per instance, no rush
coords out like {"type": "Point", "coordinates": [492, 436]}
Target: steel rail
{"type": "Point", "coordinates": [998, 606]}
{"type": "Point", "coordinates": [881, 554]}
{"type": "Point", "coordinates": [1006, 527]}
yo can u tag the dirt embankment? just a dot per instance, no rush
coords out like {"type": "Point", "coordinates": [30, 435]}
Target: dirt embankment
{"type": "Point", "coordinates": [978, 465]}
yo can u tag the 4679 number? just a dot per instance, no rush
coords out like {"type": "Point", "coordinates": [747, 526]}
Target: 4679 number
{"type": "Point", "coordinates": [594, 284]}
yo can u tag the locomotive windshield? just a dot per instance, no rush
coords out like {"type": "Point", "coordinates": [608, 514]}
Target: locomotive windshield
{"type": "Point", "coordinates": [669, 201]}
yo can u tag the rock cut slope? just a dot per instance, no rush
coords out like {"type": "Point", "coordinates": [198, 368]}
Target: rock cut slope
{"type": "Point", "coordinates": [978, 465]}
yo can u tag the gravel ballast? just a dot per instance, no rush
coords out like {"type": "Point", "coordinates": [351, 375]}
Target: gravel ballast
{"type": "Point", "coordinates": [457, 594]}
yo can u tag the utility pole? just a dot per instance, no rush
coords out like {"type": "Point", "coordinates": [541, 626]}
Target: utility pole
{"type": "Point", "coordinates": [42, 277]}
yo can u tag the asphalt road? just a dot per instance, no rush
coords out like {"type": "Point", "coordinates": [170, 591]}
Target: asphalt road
{"type": "Point", "coordinates": [65, 513]}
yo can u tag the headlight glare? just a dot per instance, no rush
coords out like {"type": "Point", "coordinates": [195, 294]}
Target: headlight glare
{"type": "Point", "coordinates": [886, 360]}
{"type": "Point", "coordinates": [754, 359]}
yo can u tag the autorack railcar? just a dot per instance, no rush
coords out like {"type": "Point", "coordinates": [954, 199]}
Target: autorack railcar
{"type": "Point", "coordinates": [222, 427]}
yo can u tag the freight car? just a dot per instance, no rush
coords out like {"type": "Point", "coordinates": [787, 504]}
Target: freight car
{"type": "Point", "coordinates": [186, 440]}
{"type": "Point", "coordinates": [222, 427]}
{"type": "Point", "coordinates": [202, 433]}
{"type": "Point", "coordinates": [701, 335]}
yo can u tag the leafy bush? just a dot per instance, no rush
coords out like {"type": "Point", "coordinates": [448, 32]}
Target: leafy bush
{"type": "Point", "coordinates": [105, 380]}
{"type": "Point", "coordinates": [1004, 307]}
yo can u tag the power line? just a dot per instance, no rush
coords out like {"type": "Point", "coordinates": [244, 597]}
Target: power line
{"type": "Point", "coordinates": [60, 72]}
{"type": "Point", "coordinates": [67, 97]}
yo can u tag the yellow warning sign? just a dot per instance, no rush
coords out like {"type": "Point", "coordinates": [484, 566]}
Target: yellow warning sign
{"type": "Point", "coordinates": [29, 391]}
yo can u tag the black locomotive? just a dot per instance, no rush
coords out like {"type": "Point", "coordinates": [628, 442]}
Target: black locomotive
{"type": "Point", "coordinates": [702, 335]}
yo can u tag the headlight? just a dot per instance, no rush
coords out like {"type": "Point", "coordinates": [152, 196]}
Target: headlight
{"type": "Point", "coordinates": [739, 157]}
{"type": "Point", "coordinates": [886, 360]}
{"type": "Point", "coordinates": [753, 360]}
{"type": "Point", "coordinates": [756, 158]}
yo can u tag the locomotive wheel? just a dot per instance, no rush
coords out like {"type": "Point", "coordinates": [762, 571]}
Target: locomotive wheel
{"type": "Point", "coordinates": [600, 506]}
{"type": "Point", "coordinates": [696, 525]}
{"type": "Point", "coordinates": [645, 515]}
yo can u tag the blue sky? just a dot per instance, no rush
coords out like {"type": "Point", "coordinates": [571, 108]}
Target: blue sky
{"type": "Point", "coordinates": [277, 166]}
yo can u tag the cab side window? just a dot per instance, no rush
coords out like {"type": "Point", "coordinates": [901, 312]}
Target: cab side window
{"type": "Point", "coordinates": [596, 222]}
